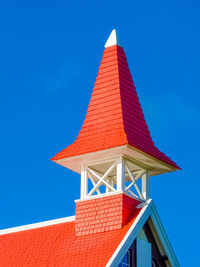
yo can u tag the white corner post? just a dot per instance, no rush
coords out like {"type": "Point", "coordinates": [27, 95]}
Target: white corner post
{"type": "Point", "coordinates": [145, 185]}
{"type": "Point", "coordinates": [120, 174]}
{"type": "Point", "coordinates": [84, 182]}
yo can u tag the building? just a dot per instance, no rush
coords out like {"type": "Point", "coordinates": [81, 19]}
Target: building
{"type": "Point", "coordinates": [116, 222]}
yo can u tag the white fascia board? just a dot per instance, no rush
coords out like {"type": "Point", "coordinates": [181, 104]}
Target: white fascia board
{"type": "Point", "coordinates": [112, 194]}
{"type": "Point", "coordinates": [163, 237]}
{"type": "Point", "coordinates": [147, 211]}
{"type": "Point", "coordinates": [36, 225]}
{"type": "Point", "coordinates": [141, 159]}
{"type": "Point", "coordinates": [130, 235]}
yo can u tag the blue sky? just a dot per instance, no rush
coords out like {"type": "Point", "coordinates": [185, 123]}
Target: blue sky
{"type": "Point", "coordinates": [49, 55]}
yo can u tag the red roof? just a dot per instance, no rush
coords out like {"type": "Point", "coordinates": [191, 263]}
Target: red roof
{"type": "Point", "coordinates": [114, 117]}
{"type": "Point", "coordinates": [57, 245]}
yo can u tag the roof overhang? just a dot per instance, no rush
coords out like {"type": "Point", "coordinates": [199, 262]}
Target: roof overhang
{"type": "Point", "coordinates": [138, 158]}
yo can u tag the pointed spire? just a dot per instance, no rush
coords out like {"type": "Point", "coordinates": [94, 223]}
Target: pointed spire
{"type": "Point", "coordinates": [114, 117]}
{"type": "Point", "coordinates": [113, 39]}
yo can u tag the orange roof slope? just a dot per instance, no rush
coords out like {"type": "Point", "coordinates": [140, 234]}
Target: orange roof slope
{"type": "Point", "coordinates": [57, 245]}
{"type": "Point", "coordinates": [114, 117]}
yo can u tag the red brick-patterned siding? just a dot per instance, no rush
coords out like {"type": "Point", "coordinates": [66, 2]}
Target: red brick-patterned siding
{"type": "Point", "coordinates": [104, 213]}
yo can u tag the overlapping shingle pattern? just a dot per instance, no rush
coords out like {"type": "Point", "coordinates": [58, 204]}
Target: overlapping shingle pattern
{"type": "Point", "coordinates": [104, 214]}
{"type": "Point", "coordinates": [57, 245]}
{"type": "Point", "coordinates": [114, 117]}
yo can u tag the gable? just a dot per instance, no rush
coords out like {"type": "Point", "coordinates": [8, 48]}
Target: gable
{"type": "Point", "coordinates": [149, 222]}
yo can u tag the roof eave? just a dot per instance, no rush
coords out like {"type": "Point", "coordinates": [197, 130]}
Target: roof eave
{"type": "Point", "coordinates": [140, 158]}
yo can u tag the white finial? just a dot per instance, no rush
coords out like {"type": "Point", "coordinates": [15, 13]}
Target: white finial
{"type": "Point", "coordinates": [113, 39]}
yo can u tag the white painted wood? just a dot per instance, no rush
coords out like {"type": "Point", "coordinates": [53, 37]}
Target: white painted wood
{"type": "Point", "coordinates": [140, 174]}
{"type": "Point", "coordinates": [139, 158]}
{"type": "Point", "coordinates": [144, 257]}
{"type": "Point", "coordinates": [120, 175]}
{"type": "Point", "coordinates": [99, 196]}
{"type": "Point", "coordinates": [84, 182]}
{"type": "Point", "coordinates": [128, 187]}
{"type": "Point", "coordinates": [36, 225]}
{"type": "Point", "coordinates": [163, 237]}
{"type": "Point", "coordinates": [145, 185]}
{"type": "Point", "coordinates": [130, 236]}
{"type": "Point", "coordinates": [101, 179]}
{"type": "Point", "coordinates": [112, 182]}
{"type": "Point", "coordinates": [102, 161]}
{"type": "Point", "coordinates": [113, 39]}
{"type": "Point", "coordinates": [134, 180]}
{"type": "Point", "coordinates": [147, 211]}
{"type": "Point", "coordinates": [107, 188]}
{"type": "Point", "coordinates": [93, 182]}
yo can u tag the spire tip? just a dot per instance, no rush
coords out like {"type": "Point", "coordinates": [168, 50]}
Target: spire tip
{"type": "Point", "coordinates": [112, 39]}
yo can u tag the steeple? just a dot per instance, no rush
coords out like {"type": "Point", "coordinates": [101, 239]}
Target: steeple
{"type": "Point", "coordinates": [115, 223]}
{"type": "Point", "coordinates": [114, 148]}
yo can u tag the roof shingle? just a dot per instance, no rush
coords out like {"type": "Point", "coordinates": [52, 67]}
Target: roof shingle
{"type": "Point", "coordinates": [114, 116]}
{"type": "Point", "coordinates": [57, 245]}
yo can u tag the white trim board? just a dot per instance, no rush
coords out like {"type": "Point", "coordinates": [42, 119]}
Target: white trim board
{"type": "Point", "coordinates": [130, 236]}
{"type": "Point", "coordinates": [36, 225]}
{"type": "Point", "coordinates": [163, 237]}
{"type": "Point", "coordinates": [141, 159]}
{"type": "Point", "coordinates": [111, 194]}
{"type": "Point", "coordinates": [146, 212]}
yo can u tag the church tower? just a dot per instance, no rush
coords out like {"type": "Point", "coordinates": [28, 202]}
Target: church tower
{"type": "Point", "coordinates": [114, 152]}
{"type": "Point", "coordinates": [116, 223]}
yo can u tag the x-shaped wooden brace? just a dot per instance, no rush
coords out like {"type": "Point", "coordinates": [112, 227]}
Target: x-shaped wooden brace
{"type": "Point", "coordinates": [134, 179]}
{"type": "Point", "coordinates": [101, 179]}
{"type": "Point", "coordinates": [93, 182]}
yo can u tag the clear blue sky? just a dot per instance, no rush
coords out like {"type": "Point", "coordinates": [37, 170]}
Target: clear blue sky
{"type": "Point", "coordinates": [49, 55]}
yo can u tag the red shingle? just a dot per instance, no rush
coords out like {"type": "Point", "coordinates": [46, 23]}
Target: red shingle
{"type": "Point", "coordinates": [120, 212]}
{"type": "Point", "coordinates": [57, 245]}
{"type": "Point", "coordinates": [114, 117]}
